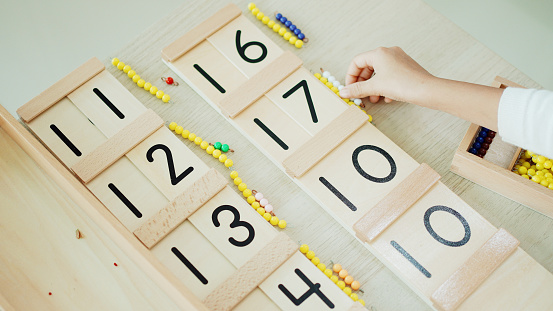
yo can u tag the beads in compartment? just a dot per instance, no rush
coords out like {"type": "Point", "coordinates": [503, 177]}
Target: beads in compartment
{"type": "Point", "coordinates": [266, 20]}
{"type": "Point", "coordinates": [342, 279]}
{"type": "Point", "coordinates": [482, 142]}
{"type": "Point", "coordinates": [139, 81]}
{"type": "Point", "coordinates": [335, 86]}
{"type": "Point", "coordinates": [536, 168]}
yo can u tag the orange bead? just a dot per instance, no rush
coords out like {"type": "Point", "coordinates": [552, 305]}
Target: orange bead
{"type": "Point", "coordinates": [348, 279]}
{"type": "Point", "coordinates": [337, 267]}
{"type": "Point", "coordinates": [343, 273]}
{"type": "Point", "coordinates": [355, 285]}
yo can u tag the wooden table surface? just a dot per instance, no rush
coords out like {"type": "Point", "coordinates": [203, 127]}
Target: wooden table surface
{"type": "Point", "coordinates": [40, 254]}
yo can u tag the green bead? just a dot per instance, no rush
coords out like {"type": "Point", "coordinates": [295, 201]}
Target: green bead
{"type": "Point", "coordinates": [225, 148]}
{"type": "Point", "coordinates": [217, 145]}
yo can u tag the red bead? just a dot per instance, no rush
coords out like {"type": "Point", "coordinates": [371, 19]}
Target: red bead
{"type": "Point", "coordinates": [491, 134]}
{"type": "Point", "coordinates": [115, 264]}
{"type": "Point", "coordinates": [488, 140]}
{"type": "Point", "coordinates": [169, 80]}
{"type": "Point", "coordinates": [486, 146]}
{"type": "Point", "coordinates": [482, 151]}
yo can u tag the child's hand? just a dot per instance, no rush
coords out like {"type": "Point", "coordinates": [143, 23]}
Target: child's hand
{"type": "Point", "coordinates": [386, 72]}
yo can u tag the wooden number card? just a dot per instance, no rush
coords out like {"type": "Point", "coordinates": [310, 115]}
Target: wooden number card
{"type": "Point", "coordinates": [441, 247]}
{"type": "Point", "coordinates": [219, 252]}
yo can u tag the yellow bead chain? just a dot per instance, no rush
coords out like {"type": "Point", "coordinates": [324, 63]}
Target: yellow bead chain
{"type": "Point", "coordinates": [139, 81]}
{"type": "Point", "coordinates": [228, 163]}
{"type": "Point", "coordinates": [335, 278]}
{"type": "Point", "coordinates": [336, 91]}
{"type": "Point", "coordinates": [266, 20]}
{"type": "Point", "coordinates": [537, 168]}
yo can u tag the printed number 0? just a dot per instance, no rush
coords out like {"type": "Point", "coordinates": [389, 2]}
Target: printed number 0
{"type": "Point", "coordinates": [242, 49]}
{"type": "Point", "coordinates": [172, 175]}
{"type": "Point", "coordinates": [236, 222]}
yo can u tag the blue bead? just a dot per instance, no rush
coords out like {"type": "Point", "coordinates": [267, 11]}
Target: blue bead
{"type": "Point", "coordinates": [483, 134]}
{"type": "Point", "coordinates": [473, 151]}
{"type": "Point", "coordinates": [477, 145]}
{"type": "Point", "coordinates": [288, 23]}
{"type": "Point", "coordinates": [297, 31]}
{"type": "Point", "coordinates": [293, 27]}
{"type": "Point", "coordinates": [283, 19]}
{"type": "Point", "coordinates": [278, 16]}
{"type": "Point", "coordinates": [301, 36]}
{"type": "Point", "coordinates": [480, 139]}
{"type": "Point", "coordinates": [484, 129]}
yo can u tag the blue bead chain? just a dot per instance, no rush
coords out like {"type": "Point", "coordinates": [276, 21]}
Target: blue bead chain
{"type": "Point", "coordinates": [291, 26]}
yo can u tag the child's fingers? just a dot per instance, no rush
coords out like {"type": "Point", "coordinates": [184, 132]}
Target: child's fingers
{"type": "Point", "coordinates": [361, 64]}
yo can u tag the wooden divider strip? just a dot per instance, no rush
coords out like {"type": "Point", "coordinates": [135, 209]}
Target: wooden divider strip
{"type": "Point", "coordinates": [320, 145]}
{"type": "Point", "coordinates": [199, 33]}
{"type": "Point", "coordinates": [117, 146]}
{"type": "Point", "coordinates": [461, 284]}
{"type": "Point", "coordinates": [182, 207]}
{"type": "Point", "coordinates": [262, 82]}
{"type": "Point", "coordinates": [234, 289]}
{"type": "Point", "coordinates": [60, 89]}
{"type": "Point", "coordinates": [395, 203]}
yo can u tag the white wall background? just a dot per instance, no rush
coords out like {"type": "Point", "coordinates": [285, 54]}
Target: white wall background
{"type": "Point", "coordinates": [42, 41]}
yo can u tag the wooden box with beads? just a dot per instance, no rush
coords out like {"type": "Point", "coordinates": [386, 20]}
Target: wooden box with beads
{"type": "Point", "coordinates": [178, 219]}
{"type": "Point", "coordinates": [503, 168]}
{"type": "Point", "coordinates": [367, 183]}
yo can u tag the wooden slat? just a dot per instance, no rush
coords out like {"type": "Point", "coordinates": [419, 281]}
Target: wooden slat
{"type": "Point", "coordinates": [475, 270]}
{"type": "Point", "coordinates": [393, 205]}
{"type": "Point", "coordinates": [117, 146]}
{"type": "Point", "coordinates": [332, 135]}
{"type": "Point", "coordinates": [60, 89]}
{"type": "Point", "coordinates": [199, 33]}
{"type": "Point", "coordinates": [252, 273]}
{"type": "Point", "coordinates": [262, 82]}
{"type": "Point", "coordinates": [184, 205]}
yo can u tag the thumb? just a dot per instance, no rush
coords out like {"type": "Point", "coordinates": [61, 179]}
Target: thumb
{"type": "Point", "coordinates": [358, 90]}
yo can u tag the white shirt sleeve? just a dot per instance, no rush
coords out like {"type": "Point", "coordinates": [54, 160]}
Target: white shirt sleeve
{"type": "Point", "coordinates": [525, 119]}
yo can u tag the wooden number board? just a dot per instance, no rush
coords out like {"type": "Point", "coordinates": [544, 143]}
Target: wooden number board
{"type": "Point", "coordinates": [441, 247]}
{"type": "Point", "coordinates": [182, 211]}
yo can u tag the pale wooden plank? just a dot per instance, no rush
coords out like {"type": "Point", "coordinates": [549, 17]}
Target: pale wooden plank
{"type": "Point", "coordinates": [251, 90]}
{"type": "Point", "coordinates": [92, 99]}
{"type": "Point", "coordinates": [324, 141]}
{"type": "Point", "coordinates": [287, 278]}
{"type": "Point", "coordinates": [252, 273]}
{"type": "Point", "coordinates": [199, 33]}
{"type": "Point", "coordinates": [72, 124]}
{"type": "Point", "coordinates": [255, 56]}
{"type": "Point", "coordinates": [193, 260]}
{"type": "Point", "coordinates": [233, 226]}
{"type": "Point", "coordinates": [326, 105]}
{"type": "Point", "coordinates": [178, 210]}
{"type": "Point", "coordinates": [117, 146]}
{"type": "Point", "coordinates": [475, 270]}
{"type": "Point", "coordinates": [396, 202]}
{"type": "Point", "coordinates": [181, 162]}
{"type": "Point", "coordinates": [256, 300]}
{"type": "Point", "coordinates": [60, 89]}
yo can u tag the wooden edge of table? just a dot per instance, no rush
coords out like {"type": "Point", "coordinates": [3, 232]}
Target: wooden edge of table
{"type": "Point", "coordinates": [469, 276]}
{"type": "Point", "coordinates": [242, 282]}
{"type": "Point", "coordinates": [199, 33]}
{"type": "Point", "coordinates": [100, 215]}
{"type": "Point", "coordinates": [117, 146]}
{"type": "Point", "coordinates": [182, 207]}
{"type": "Point", "coordinates": [60, 89]}
{"type": "Point", "coordinates": [262, 82]}
{"type": "Point", "coordinates": [323, 142]}
{"type": "Point", "coordinates": [395, 203]}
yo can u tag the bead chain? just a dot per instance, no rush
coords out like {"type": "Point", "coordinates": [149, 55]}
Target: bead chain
{"type": "Point", "coordinates": [139, 81]}
{"type": "Point", "coordinates": [254, 198]}
{"type": "Point", "coordinates": [482, 142]}
{"type": "Point", "coordinates": [536, 168]}
{"type": "Point", "coordinates": [335, 86]}
{"type": "Point", "coordinates": [274, 26]}
{"type": "Point", "coordinates": [291, 26]}
{"type": "Point", "coordinates": [335, 278]}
